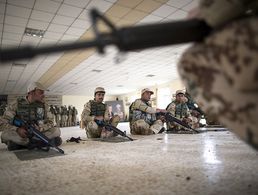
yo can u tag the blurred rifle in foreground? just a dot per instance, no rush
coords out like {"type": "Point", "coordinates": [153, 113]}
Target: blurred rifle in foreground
{"type": "Point", "coordinates": [125, 38]}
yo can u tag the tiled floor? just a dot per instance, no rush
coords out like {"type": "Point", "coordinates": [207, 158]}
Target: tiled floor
{"type": "Point", "coordinates": [206, 163]}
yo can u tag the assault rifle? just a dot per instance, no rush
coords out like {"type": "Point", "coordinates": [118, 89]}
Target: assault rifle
{"type": "Point", "coordinates": [125, 38]}
{"type": "Point", "coordinates": [110, 127]}
{"type": "Point", "coordinates": [32, 131]}
{"type": "Point", "coordinates": [169, 118]}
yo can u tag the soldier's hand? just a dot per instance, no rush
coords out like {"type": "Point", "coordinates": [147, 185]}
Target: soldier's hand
{"type": "Point", "coordinates": [22, 132]}
{"type": "Point", "coordinates": [100, 118]}
{"type": "Point", "coordinates": [187, 120]}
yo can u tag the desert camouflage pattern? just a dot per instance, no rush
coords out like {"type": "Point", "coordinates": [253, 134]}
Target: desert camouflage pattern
{"type": "Point", "coordinates": [91, 127]}
{"type": "Point", "coordinates": [221, 73]}
{"type": "Point", "coordinates": [143, 119]}
{"type": "Point", "coordinates": [9, 131]}
{"type": "Point", "coordinates": [180, 111]}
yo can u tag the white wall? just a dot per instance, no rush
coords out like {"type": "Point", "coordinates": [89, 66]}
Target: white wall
{"type": "Point", "coordinates": [79, 101]}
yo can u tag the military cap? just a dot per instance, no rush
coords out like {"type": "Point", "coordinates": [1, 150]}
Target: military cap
{"type": "Point", "coordinates": [147, 89]}
{"type": "Point", "coordinates": [35, 85]}
{"type": "Point", "coordinates": [99, 89]}
{"type": "Point", "coordinates": [180, 91]}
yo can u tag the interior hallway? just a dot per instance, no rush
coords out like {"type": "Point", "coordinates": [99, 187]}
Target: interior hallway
{"type": "Point", "coordinates": [206, 163]}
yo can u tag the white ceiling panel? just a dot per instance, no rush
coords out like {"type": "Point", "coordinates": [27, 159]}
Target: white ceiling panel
{"type": "Point", "coordinates": [75, 31]}
{"type": "Point", "coordinates": [64, 20]}
{"type": "Point", "coordinates": [22, 3]}
{"type": "Point", "coordinates": [47, 5]}
{"type": "Point", "coordinates": [42, 16]}
{"type": "Point", "coordinates": [70, 11]}
{"type": "Point", "coordinates": [1, 18]}
{"type": "Point", "coordinates": [150, 19]}
{"type": "Point", "coordinates": [18, 11]}
{"type": "Point", "coordinates": [2, 8]}
{"type": "Point", "coordinates": [179, 3]}
{"type": "Point", "coordinates": [14, 29]}
{"type": "Point", "coordinates": [77, 3]}
{"type": "Point", "coordinates": [191, 5]}
{"type": "Point", "coordinates": [101, 5]}
{"type": "Point", "coordinates": [57, 28]}
{"type": "Point", "coordinates": [15, 21]}
{"type": "Point", "coordinates": [79, 23]}
{"type": "Point", "coordinates": [52, 35]}
{"type": "Point", "coordinates": [37, 24]}
{"type": "Point", "coordinates": [178, 15]}
{"type": "Point", "coordinates": [164, 11]}
{"type": "Point", "coordinates": [12, 36]}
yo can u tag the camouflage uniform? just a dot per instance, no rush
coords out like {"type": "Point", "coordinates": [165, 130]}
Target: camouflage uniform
{"type": "Point", "coordinates": [180, 111]}
{"type": "Point", "coordinates": [92, 109]}
{"type": "Point", "coordinates": [57, 116]}
{"type": "Point", "coordinates": [35, 111]}
{"type": "Point", "coordinates": [74, 116]}
{"type": "Point", "coordinates": [52, 112]}
{"type": "Point", "coordinates": [221, 71]}
{"type": "Point", "coordinates": [142, 118]}
{"type": "Point", "coordinates": [69, 119]}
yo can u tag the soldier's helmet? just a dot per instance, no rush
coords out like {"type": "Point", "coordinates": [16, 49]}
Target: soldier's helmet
{"type": "Point", "coordinates": [35, 85]}
{"type": "Point", "coordinates": [99, 89]}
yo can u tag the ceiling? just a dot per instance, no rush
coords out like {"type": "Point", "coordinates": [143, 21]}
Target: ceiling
{"type": "Point", "coordinates": [80, 71]}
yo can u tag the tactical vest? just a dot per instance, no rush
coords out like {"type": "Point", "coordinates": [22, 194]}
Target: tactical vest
{"type": "Point", "coordinates": [181, 109]}
{"type": "Point", "coordinates": [135, 114]}
{"type": "Point", "coordinates": [31, 111]}
{"type": "Point", "coordinates": [97, 109]}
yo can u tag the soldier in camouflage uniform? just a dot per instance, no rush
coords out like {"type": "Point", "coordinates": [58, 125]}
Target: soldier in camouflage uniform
{"type": "Point", "coordinates": [57, 116]}
{"type": "Point", "coordinates": [74, 116]}
{"type": "Point", "coordinates": [52, 112]}
{"type": "Point", "coordinates": [70, 114]}
{"type": "Point", "coordinates": [97, 110]}
{"type": "Point", "coordinates": [31, 108]}
{"type": "Point", "coordinates": [179, 109]}
{"type": "Point", "coordinates": [142, 117]}
{"type": "Point", "coordinates": [221, 71]}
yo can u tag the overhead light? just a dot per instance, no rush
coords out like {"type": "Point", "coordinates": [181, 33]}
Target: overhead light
{"type": "Point", "coordinates": [96, 70]}
{"type": "Point", "coordinates": [34, 32]}
{"type": "Point", "coordinates": [150, 75]}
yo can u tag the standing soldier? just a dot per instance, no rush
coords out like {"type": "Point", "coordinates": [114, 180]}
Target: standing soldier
{"type": "Point", "coordinates": [178, 108]}
{"type": "Point", "coordinates": [30, 109]}
{"type": "Point", "coordinates": [70, 114]}
{"type": "Point", "coordinates": [62, 112]}
{"type": "Point", "coordinates": [74, 116]}
{"type": "Point", "coordinates": [142, 117]}
{"type": "Point", "coordinates": [58, 116]}
{"type": "Point", "coordinates": [52, 111]}
{"type": "Point", "coordinates": [95, 111]}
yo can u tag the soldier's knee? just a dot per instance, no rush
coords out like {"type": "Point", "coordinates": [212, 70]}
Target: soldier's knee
{"type": "Point", "coordinates": [140, 127]}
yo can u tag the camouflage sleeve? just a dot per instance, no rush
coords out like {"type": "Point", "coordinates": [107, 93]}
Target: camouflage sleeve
{"type": "Point", "coordinates": [8, 116]}
{"type": "Point", "coordinates": [139, 105]}
{"type": "Point", "coordinates": [86, 113]}
{"type": "Point", "coordinates": [171, 109]}
{"type": "Point", "coordinates": [48, 121]}
{"type": "Point", "coordinates": [220, 12]}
